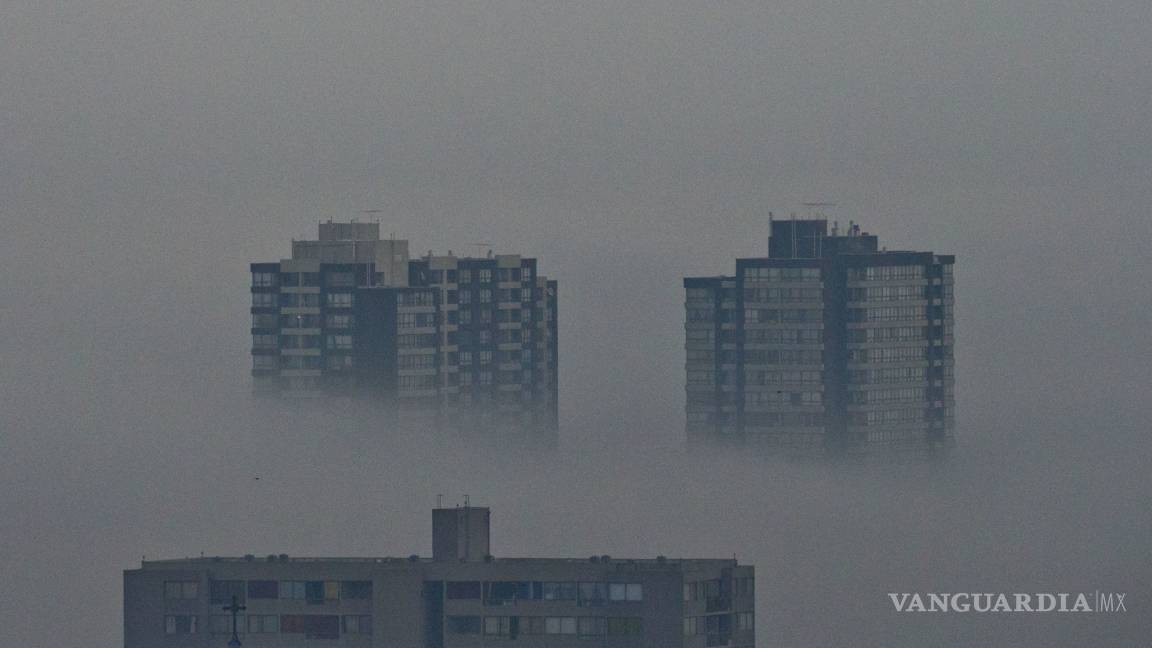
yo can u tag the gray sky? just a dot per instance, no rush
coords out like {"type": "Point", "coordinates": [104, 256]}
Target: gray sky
{"type": "Point", "coordinates": [151, 150]}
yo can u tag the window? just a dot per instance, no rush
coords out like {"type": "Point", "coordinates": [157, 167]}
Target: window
{"type": "Point", "coordinates": [339, 321]}
{"type": "Point", "coordinates": [465, 297]}
{"type": "Point", "coordinates": [417, 382]}
{"type": "Point", "coordinates": [744, 586]}
{"type": "Point", "coordinates": [463, 589]}
{"type": "Point", "coordinates": [625, 626]}
{"type": "Point", "coordinates": [292, 589]}
{"type": "Point", "coordinates": [717, 627]}
{"type": "Point", "coordinates": [263, 589]}
{"type": "Point", "coordinates": [310, 279]}
{"type": "Point", "coordinates": [356, 624]}
{"type": "Point", "coordinates": [341, 279]}
{"type": "Point", "coordinates": [745, 621]}
{"type": "Point", "coordinates": [560, 625]}
{"type": "Point", "coordinates": [300, 321]}
{"type": "Point", "coordinates": [263, 623]}
{"type": "Point", "coordinates": [263, 279]}
{"type": "Point", "coordinates": [888, 293]}
{"type": "Point", "coordinates": [312, 626]}
{"type": "Point", "coordinates": [564, 591]}
{"type": "Point", "coordinates": [593, 592]}
{"type": "Point", "coordinates": [265, 362]}
{"type": "Point", "coordinates": [782, 274]}
{"type": "Point", "coordinates": [290, 279]}
{"type": "Point", "coordinates": [485, 276]}
{"type": "Point", "coordinates": [462, 624]}
{"type": "Point", "coordinates": [886, 273]}
{"type": "Point", "coordinates": [264, 300]}
{"type": "Point", "coordinates": [625, 592]}
{"type": "Point", "coordinates": [701, 377]}
{"type": "Point", "coordinates": [498, 626]}
{"type": "Point", "coordinates": [340, 362]}
{"type": "Point", "coordinates": [180, 624]}
{"type": "Point", "coordinates": [222, 591]}
{"type": "Point", "coordinates": [265, 341]}
{"type": "Point", "coordinates": [465, 276]}
{"type": "Point", "coordinates": [485, 357]}
{"type": "Point", "coordinates": [415, 341]}
{"type": "Point", "coordinates": [300, 342]}
{"type": "Point", "coordinates": [700, 314]}
{"type": "Point", "coordinates": [300, 300]}
{"type": "Point", "coordinates": [302, 362]}
{"type": "Point", "coordinates": [782, 295]}
{"type": "Point", "coordinates": [356, 589]}
{"type": "Point", "coordinates": [181, 589]}
{"type": "Point", "coordinates": [590, 626]}
{"type": "Point", "coordinates": [339, 300]}
{"type": "Point", "coordinates": [339, 341]}
{"type": "Point", "coordinates": [418, 298]}
{"type": "Point", "coordinates": [485, 296]}
{"type": "Point", "coordinates": [502, 591]}
{"type": "Point", "coordinates": [532, 625]}
{"type": "Point", "coordinates": [415, 320]}
{"type": "Point", "coordinates": [314, 591]}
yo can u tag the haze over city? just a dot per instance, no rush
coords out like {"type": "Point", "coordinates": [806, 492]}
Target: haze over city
{"type": "Point", "coordinates": [151, 152]}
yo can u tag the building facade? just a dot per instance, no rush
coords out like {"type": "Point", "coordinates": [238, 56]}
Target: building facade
{"type": "Point", "coordinates": [439, 339]}
{"type": "Point", "coordinates": [828, 344]}
{"type": "Point", "coordinates": [461, 597]}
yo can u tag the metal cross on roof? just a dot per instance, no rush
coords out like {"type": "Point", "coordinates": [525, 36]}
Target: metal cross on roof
{"type": "Point", "coordinates": [235, 609]}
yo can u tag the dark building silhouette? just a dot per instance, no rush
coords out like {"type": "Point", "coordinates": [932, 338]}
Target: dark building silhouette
{"type": "Point", "coordinates": [460, 597]}
{"type": "Point", "coordinates": [442, 340]}
{"type": "Point", "coordinates": [828, 344]}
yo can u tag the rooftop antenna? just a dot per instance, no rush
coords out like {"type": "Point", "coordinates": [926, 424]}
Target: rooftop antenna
{"type": "Point", "coordinates": [465, 500]}
{"type": "Point", "coordinates": [439, 500]}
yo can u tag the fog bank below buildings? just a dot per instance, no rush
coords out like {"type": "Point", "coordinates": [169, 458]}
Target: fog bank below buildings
{"type": "Point", "coordinates": [168, 477]}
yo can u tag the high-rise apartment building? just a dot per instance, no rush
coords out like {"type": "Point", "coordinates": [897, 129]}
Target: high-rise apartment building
{"type": "Point", "coordinates": [462, 596]}
{"type": "Point", "coordinates": [440, 340]}
{"type": "Point", "coordinates": [828, 344]}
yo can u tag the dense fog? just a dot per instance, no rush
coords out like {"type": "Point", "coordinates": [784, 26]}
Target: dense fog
{"type": "Point", "coordinates": [152, 150]}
